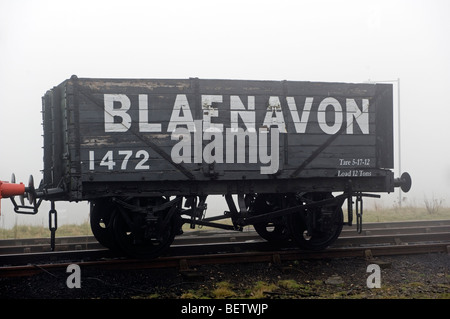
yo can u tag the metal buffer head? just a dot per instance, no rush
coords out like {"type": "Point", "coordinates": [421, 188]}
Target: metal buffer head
{"type": "Point", "coordinates": [10, 190]}
{"type": "Point", "coordinates": [404, 182]}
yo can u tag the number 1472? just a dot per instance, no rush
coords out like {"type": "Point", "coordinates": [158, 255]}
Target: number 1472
{"type": "Point", "coordinates": [123, 159]}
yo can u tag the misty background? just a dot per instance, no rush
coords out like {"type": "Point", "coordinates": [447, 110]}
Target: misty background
{"type": "Point", "coordinates": [42, 43]}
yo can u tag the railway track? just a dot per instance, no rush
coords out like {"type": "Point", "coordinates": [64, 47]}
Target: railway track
{"type": "Point", "coordinates": [30, 256]}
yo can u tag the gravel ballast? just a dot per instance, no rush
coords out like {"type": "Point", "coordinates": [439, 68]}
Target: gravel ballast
{"type": "Point", "coordinates": [409, 276]}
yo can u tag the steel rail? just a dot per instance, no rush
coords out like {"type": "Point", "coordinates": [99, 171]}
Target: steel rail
{"type": "Point", "coordinates": [272, 256]}
{"type": "Point", "coordinates": [229, 247]}
{"type": "Point", "coordinates": [419, 228]}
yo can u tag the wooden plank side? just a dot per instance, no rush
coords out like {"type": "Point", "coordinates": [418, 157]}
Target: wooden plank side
{"type": "Point", "coordinates": [143, 115]}
{"type": "Point", "coordinates": [325, 89]}
{"type": "Point", "coordinates": [385, 126]}
{"type": "Point", "coordinates": [135, 86]}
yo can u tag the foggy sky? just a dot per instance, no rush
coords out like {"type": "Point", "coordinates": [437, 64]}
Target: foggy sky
{"type": "Point", "coordinates": [42, 43]}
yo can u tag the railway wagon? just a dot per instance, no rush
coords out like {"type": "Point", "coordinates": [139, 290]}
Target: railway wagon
{"type": "Point", "coordinates": [147, 153]}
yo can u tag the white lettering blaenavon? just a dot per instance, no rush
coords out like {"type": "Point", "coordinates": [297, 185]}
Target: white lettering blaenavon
{"type": "Point", "coordinates": [118, 105]}
{"type": "Point", "coordinates": [206, 141]}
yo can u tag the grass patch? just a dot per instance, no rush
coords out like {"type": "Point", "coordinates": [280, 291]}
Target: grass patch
{"type": "Point", "coordinates": [27, 231]}
{"type": "Point", "coordinates": [191, 294]}
{"type": "Point", "coordinates": [260, 289]}
{"type": "Point", "coordinates": [405, 213]}
{"type": "Point", "coordinates": [223, 290]}
{"type": "Point", "coordinates": [289, 284]}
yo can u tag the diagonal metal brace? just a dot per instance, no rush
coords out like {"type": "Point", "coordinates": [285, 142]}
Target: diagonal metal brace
{"type": "Point", "coordinates": [338, 200]}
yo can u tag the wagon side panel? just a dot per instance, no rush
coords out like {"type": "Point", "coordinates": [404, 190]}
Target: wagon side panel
{"type": "Point", "coordinates": [197, 135]}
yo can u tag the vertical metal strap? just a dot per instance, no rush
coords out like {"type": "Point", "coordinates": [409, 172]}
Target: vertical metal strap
{"type": "Point", "coordinates": [359, 213]}
{"type": "Point", "coordinates": [194, 211]}
{"type": "Point", "coordinates": [350, 210]}
{"type": "Point", "coordinates": [52, 224]}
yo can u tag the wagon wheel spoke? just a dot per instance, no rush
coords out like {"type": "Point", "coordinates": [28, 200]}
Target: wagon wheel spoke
{"type": "Point", "coordinates": [101, 213]}
{"type": "Point", "coordinates": [140, 237]}
{"type": "Point", "coordinates": [272, 230]}
{"type": "Point", "coordinates": [316, 228]}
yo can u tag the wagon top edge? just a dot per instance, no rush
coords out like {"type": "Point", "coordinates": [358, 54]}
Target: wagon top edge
{"type": "Point", "coordinates": [264, 83]}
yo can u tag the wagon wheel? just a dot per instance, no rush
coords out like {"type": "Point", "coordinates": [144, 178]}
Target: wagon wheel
{"type": "Point", "coordinates": [100, 217]}
{"type": "Point", "coordinates": [142, 238]}
{"type": "Point", "coordinates": [325, 223]}
{"type": "Point", "coordinates": [273, 230]}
